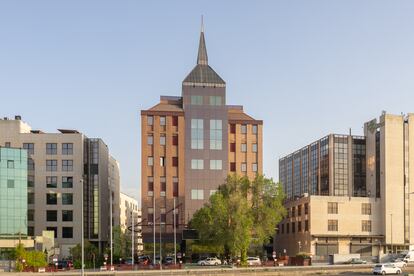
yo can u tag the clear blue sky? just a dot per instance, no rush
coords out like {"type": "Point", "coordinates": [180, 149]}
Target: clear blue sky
{"type": "Point", "coordinates": [307, 68]}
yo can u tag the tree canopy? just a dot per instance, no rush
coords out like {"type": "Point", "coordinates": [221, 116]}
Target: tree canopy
{"type": "Point", "coordinates": [239, 214]}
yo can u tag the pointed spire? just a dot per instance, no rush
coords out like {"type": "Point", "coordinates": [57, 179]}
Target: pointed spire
{"type": "Point", "coordinates": [202, 50]}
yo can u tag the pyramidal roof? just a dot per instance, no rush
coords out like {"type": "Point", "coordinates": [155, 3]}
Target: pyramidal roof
{"type": "Point", "coordinates": [203, 74]}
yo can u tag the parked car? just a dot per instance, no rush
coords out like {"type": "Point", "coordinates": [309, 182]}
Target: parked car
{"type": "Point", "coordinates": [144, 260]}
{"type": "Point", "coordinates": [169, 260]}
{"type": "Point", "coordinates": [254, 261]}
{"type": "Point", "coordinates": [209, 261]}
{"type": "Point", "coordinates": [386, 269]}
{"type": "Point", "coordinates": [399, 263]}
{"type": "Point", "coordinates": [65, 265]}
{"type": "Point", "coordinates": [356, 261]}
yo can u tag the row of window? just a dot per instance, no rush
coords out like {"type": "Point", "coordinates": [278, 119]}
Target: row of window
{"type": "Point", "coordinates": [174, 141]}
{"type": "Point", "coordinates": [51, 148]}
{"type": "Point", "coordinates": [333, 225]}
{"type": "Point", "coordinates": [243, 129]}
{"type": "Point", "coordinates": [163, 120]}
{"type": "Point", "coordinates": [333, 208]}
{"type": "Point", "coordinates": [291, 227]}
{"type": "Point", "coordinates": [163, 186]}
{"type": "Point", "coordinates": [52, 215]}
{"type": "Point", "coordinates": [212, 100]}
{"type": "Point", "coordinates": [174, 161]}
{"type": "Point", "coordinates": [52, 198]}
{"type": "Point", "coordinates": [162, 217]}
{"type": "Point", "coordinates": [243, 147]}
{"type": "Point", "coordinates": [67, 232]}
{"type": "Point", "coordinates": [297, 210]}
{"type": "Point", "coordinates": [52, 181]}
{"type": "Point", "coordinates": [52, 165]}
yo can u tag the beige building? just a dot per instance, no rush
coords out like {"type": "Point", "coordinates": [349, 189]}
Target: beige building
{"type": "Point", "coordinates": [57, 162]}
{"type": "Point", "coordinates": [350, 194]}
{"type": "Point", "coordinates": [131, 214]}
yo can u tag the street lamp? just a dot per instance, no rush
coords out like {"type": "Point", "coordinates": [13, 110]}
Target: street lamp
{"type": "Point", "coordinates": [82, 231]}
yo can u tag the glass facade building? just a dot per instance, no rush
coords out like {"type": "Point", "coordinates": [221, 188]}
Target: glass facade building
{"type": "Point", "coordinates": [333, 165]}
{"type": "Point", "coordinates": [13, 192]}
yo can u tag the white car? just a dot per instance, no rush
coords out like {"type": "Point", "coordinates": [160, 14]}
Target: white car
{"type": "Point", "coordinates": [386, 269]}
{"type": "Point", "coordinates": [210, 261]}
{"type": "Point", "coordinates": [254, 261]}
{"type": "Point", "coordinates": [399, 263]}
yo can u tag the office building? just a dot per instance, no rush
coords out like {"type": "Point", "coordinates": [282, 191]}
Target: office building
{"type": "Point", "coordinates": [131, 214]}
{"type": "Point", "coordinates": [13, 199]}
{"type": "Point", "coordinates": [350, 194]}
{"type": "Point", "coordinates": [59, 165]}
{"type": "Point", "coordinates": [189, 144]}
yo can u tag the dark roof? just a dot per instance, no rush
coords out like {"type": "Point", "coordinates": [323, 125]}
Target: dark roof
{"type": "Point", "coordinates": [203, 73]}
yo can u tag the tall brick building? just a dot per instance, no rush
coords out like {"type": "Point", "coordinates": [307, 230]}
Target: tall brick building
{"type": "Point", "coordinates": [189, 145]}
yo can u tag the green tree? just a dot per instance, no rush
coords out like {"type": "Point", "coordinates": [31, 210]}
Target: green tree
{"type": "Point", "coordinates": [19, 255]}
{"type": "Point", "coordinates": [239, 214]}
{"type": "Point", "coordinates": [36, 259]}
{"type": "Point", "coordinates": [91, 254]}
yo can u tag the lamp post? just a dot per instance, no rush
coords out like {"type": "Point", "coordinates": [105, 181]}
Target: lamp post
{"type": "Point", "coordinates": [82, 232]}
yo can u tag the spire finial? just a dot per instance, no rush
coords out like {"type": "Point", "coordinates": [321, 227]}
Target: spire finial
{"type": "Point", "coordinates": [202, 50]}
{"type": "Point", "coordinates": [202, 23]}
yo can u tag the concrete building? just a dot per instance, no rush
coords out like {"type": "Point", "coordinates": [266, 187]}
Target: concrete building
{"type": "Point", "coordinates": [131, 214]}
{"type": "Point", "coordinates": [189, 145]}
{"type": "Point", "coordinates": [350, 194]}
{"type": "Point", "coordinates": [13, 199]}
{"type": "Point", "coordinates": [57, 162]}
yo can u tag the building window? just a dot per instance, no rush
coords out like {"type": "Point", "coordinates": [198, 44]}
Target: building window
{"type": "Point", "coordinates": [232, 166]}
{"type": "Point", "coordinates": [243, 147]}
{"type": "Point", "coordinates": [150, 140]}
{"type": "Point", "coordinates": [299, 210]}
{"type": "Point", "coordinates": [175, 140]}
{"type": "Point", "coordinates": [366, 226]}
{"type": "Point", "coordinates": [51, 148]}
{"type": "Point", "coordinates": [30, 164]}
{"type": "Point", "coordinates": [232, 128]}
{"type": "Point", "coordinates": [283, 228]}
{"type": "Point", "coordinates": [51, 215]}
{"type": "Point", "coordinates": [67, 232]}
{"type": "Point", "coordinates": [30, 231]}
{"type": "Point", "coordinates": [51, 181]}
{"type": "Point", "coordinates": [67, 182]}
{"type": "Point", "coordinates": [29, 147]}
{"type": "Point", "coordinates": [287, 228]}
{"type": "Point", "coordinates": [332, 207]}
{"type": "Point", "coordinates": [293, 227]}
{"type": "Point", "coordinates": [366, 208]}
{"type": "Point", "coordinates": [67, 199]}
{"type": "Point", "coordinates": [30, 214]}
{"type": "Point", "coordinates": [150, 161]}
{"type": "Point", "coordinates": [306, 225]}
{"type": "Point", "coordinates": [162, 161]}
{"type": "Point", "coordinates": [216, 130]}
{"type": "Point", "coordinates": [150, 218]}
{"type": "Point", "coordinates": [10, 164]}
{"type": "Point", "coordinates": [67, 148]}
{"type": "Point", "coordinates": [175, 120]}
{"type": "Point", "coordinates": [162, 140]}
{"type": "Point", "coordinates": [30, 198]}
{"type": "Point", "coordinates": [306, 208]}
{"type": "Point", "coordinates": [51, 165]}
{"type": "Point", "coordinates": [163, 186]}
{"type": "Point", "coordinates": [340, 165]}
{"type": "Point", "coordinates": [332, 225]}
{"type": "Point", "coordinates": [30, 181]}
{"type": "Point", "coordinates": [232, 147]}
{"type": "Point", "coordinates": [175, 161]}
{"type": "Point", "coordinates": [293, 212]}
{"type": "Point", "coordinates": [215, 100]}
{"type": "Point", "coordinates": [175, 186]}
{"type": "Point", "coordinates": [197, 133]}
{"type": "Point", "coordinates": [150, 120]}
{"type": "Point", "coordinates": [51, 199]}
{"type": "Point", "coordinates": [243, 167]}
{"type": "Point", "coordinates": [215, 165]}
{"type": "Point", "coordinates": [197, 194]}
{"type": "Point", "coordinates": [54, 230]}
{"type": "Point", "coordinates": [196, 100]}
{"type": "Point", "coordinates": [7, 145]}
{"type": "Point", "coordinates": [67, 215]}
{"type": "Point", "coordinates": [254, 129]}
{"type": "Point", "coordinates": [67, 165]}
{"type": "Point", "coordinates": [162, 121]}
{"type": "Point", "coordinates": [150, 186]}
{"type": "Point", "coordinates": [10, 183]}
{"type": "Point", "coordinates": [254, 147]}
{"type": "Point", "coordinates": [243, 129]}
{"type": "Point", "coordinates": [212, 192]}
{"type": "Point", "coordinates": [254, 167]}
{"type": "Point", "coordinates": [197, 164]}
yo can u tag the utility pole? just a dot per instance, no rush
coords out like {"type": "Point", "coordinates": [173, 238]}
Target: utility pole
{"type": "Point", "coordinates": [153, 223]}
{"type": "Point", "coordinates": [110, 228]}
{"type": "Point", "coordinates": [83, 233]}
{"type": "Point", "coordinates": [175, 236]}
{"type": "Point", "coordinates": [160, 246]}
{"type": "Point", "coordinates": [132, 235]}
